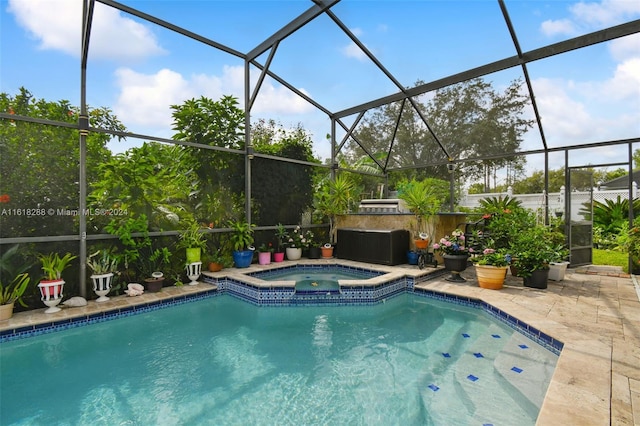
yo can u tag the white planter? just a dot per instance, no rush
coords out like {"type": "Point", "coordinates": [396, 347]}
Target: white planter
{"type": "Point", "coordinates": [102, 286]}
{"type": "Point", "coordinates": [293, 253]}
{"type": "Point", "coordinates": [557, 270]}
{"type": "Point", "coordinates": [193, 272]}
{"type": "Point", "coordinates": [51, 292]}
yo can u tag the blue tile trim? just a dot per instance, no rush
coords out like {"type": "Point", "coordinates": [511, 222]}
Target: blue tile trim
{"type": "Point", "coordinates": [286, 296]}
{"type": "Point", "coordinates": [551, 344]}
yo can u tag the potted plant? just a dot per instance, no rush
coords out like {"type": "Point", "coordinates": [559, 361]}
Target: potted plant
{"type": "Point", "coordinates": [455, 253]}
{"type": "Point", "coordinates": [491, 267]}
{"type": "Point", "coordinates": [242, 242]}
{"type": "Point", "coordinates": [281, 236]}
{"type": "Point", "coordinates": [533, 250]}
{"type": "Point", "coordinates": [12, 293]}
{"type": "Point", "coordinates": [296, 241]}
{"type": "Point", "coordinates": [152, 268]}
{"type": "Point", "coordinates": [333, 199]}
{"type": "Point", "coordinates": [104, 264]}
{"type": "Point", "coordinates": [422, 199]}
{"type": "Point", "coordinates": [194, 241]}
{"type": "Point", "coordinates": [52, 285]}
{"type": "Point", "coordinates": [313, 248]}
{"type": "Point", "coordinates": [264, 253]}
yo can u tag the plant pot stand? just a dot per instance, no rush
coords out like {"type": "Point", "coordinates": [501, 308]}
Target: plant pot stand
{"type": "Point", "coordinates": [193, 272]}
{"type": "Point", "coordinates": [102, 286]}
{"type": "Point", "coordinates": [455, 263]}
{"type": "Point", "coordinates": [51, 292]}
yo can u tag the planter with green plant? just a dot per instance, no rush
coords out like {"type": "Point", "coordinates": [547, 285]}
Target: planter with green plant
{"type": "Point", "coordinates": [533, 250]}
{"type": "Point", "coordinates": [281, 235]}
{"type": "Point", "coordinates": [194, 241]}
{"type": "Point", "coordinates": [333, 198]}
{"type": "Point", "coordinates": [104, 265]}
{"type": "Point", "coordinates": [424, 201]}
{"type": "Point", "coordinates": [242, 243]}
{"type": "Point", "coordinates": [11, 293]}
{"type": "Point", "coordinates": [491, 266]}
{"type": "Point", "coordinates": [264, 253]}
{"type": "Point", "coordinates": [152, 267]}
{"type": "Point", "coordinates": [52, 285]}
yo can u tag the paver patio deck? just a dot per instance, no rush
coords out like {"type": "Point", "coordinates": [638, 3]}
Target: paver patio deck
{"type": "Point", "coordinates": [595, 311]}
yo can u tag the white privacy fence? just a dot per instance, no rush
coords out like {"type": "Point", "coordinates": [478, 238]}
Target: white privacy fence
{"type": "Point", "coordinates": [556, 199]}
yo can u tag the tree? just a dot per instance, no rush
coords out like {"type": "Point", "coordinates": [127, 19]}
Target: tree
{"type": "Point", "coordinates": [470, 119]}
{"type": "Point", "coordinates": [39, 164]}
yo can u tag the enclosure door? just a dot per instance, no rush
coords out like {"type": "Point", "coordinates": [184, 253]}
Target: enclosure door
{"type": "Point", "coordinates": [580, 216]}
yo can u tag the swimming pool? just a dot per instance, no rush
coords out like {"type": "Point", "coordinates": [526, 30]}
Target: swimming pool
{"type": "Point", "coordinates": [410, 360]}
{"type": "Point", "coordinates": [316, 279]}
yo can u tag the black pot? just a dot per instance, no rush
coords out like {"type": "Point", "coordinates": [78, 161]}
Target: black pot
{"type": "Point", "coordinates": [314, 252]}
{"type": "Point", "coordinates": [538, 279]}
{"type": "Point", "coordinates": [154, 285]}
{"type": "Point", "coordinates": [455, 263]}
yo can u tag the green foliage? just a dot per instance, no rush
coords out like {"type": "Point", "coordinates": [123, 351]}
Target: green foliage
{"type": "Point", "coordinates": [13, 292]}
{"type": "Point", "coordinates": [39, 162]}
{"type": "Point", "coordinates": [103, 262]}
{"type": "Point", "coordinates": [500, 204]}
{"type": "Point", "coordinates": [281, 235]}
{"type": "Point", "coordinates": [193, 237]}
{"type": "Point", "coordinates": [611, 216]}
{"type": "Point", "coordinates": [53, 264]}
{"type": "Point", "coordinates": [241, 235]}
{"type": "Point", "coordinates": [493, 257]}
{"type": "Point", "coordinates": [423, 199]}
{"type": "Point", "coordinates": [154, 180]}
{"type": "Point", "coordinates": [504, 226]}
{"type": "Point", "coordinates": [534, 248]}
{"type": "Point", "coordinates": [133, 235]}
{"type": "Point", "coordinates": [333, 198]}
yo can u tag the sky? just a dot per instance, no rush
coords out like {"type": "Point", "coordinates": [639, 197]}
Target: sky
{"type": "Point", "coordinates": [138, 69]}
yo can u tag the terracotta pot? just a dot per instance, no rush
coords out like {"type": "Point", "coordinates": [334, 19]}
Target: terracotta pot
{"type": "Point", "coordinates": [491, 277]}
{"type": "Point", "coordinates": [327, 252]}
{"type": "Point", "coordinates": [215, 266]}
{"type": "Point", "coordinates": [421, 244]}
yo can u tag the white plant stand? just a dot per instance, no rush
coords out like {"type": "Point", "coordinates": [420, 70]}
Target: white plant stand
{"type": "Point", "coordinates": [102, 286]}
{"type": "Point", "coordinates": [193, 272]}
{"type": "Point", "coordinates": [51, 292]}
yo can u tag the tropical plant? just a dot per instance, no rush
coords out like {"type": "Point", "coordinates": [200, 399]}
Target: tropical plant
{"type": "Point", "coordinates": [13, 292]}
{"type": "Point", "coordinates": [103, 261]}
{"type": "Point", "coordinates": [281, 235]}
{"type": "Point", "coordinates": [423, 200]}
{"type": "Point", "coordinates": [333, 198]}
{"type": "Point", "coordinates": [53, 264]}
{"type": "Point", "coordinates": [490, 205]}
{"type": "Point", "coordinates": [611, 216]}
{"type": "Point", "coordinates": [241, 235]}
{"type": "Point", "coordinates": [155, 262]}
{"type": "Point", "coordinates": [265, 248]}
{"type": "Point", "coordinates": [134, 237]}
{"type": "Point", "coordinates": [193, 237]}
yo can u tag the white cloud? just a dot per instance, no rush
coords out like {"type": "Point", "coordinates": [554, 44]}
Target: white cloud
{"type": "Point", "coordinates": [144, 99]}
{"type": "Point", "coordinates": [57, 26]}
{"type": "Point", "coordinates": [592, 16]}
{"type": "Point", "coordinates": [552, 28]}
{"type": "Point", "coordinates": [352, 50]}
{"type": "Point", "coordinates": [625, 47]}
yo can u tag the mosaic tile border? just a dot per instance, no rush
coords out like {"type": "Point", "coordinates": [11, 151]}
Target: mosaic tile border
{"type": "Point", "coordinates": [363, 273]}
{"type": "Point", "coordinates": [357, 295]}
{"type": "Point", "coordinates": [522, 327]}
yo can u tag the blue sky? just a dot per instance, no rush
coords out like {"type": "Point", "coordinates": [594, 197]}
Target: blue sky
{"type": "Point", "coordinates": [138, 69]}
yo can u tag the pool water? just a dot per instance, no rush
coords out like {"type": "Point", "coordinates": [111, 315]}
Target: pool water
{"type": "Point", "coordinates": [410, 361]}
{"type": "Point", "coordinates": [309, 280]}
